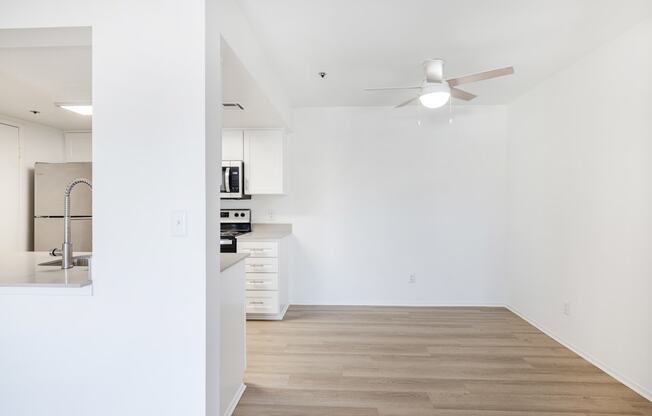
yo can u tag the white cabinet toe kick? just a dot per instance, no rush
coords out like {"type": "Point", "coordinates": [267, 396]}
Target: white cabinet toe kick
{"type": "Point", "coordinates": [266, 278]}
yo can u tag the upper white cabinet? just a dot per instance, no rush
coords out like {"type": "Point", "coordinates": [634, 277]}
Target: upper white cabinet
{"type": "Point", "coordinates": [263, 154]}
{"type": "Point", "coordinates": [79, 146]}
{"type": "Point", "coordinates": [263, 157]}
{"type": "Point", "coordinates": [232, 145]}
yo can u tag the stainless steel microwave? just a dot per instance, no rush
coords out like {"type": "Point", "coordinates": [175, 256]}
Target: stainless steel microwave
{"type": "Point", "coordinates": [233, 180]}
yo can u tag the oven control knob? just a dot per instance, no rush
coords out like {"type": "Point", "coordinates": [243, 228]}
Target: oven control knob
{"type": "Point", "coordinates": [242, 214]}
{"type": "Point", "coordinates": [236, 214]}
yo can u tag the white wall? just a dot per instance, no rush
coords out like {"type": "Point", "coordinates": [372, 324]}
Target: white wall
{"type": "Point", "coordinates": [580, 208]}
{"type": "Point", "coordinates": [373, 197]}
{"type": "Point", "coordinates": [38, 143]}
{"type": "Point", "coordinates": [138, 345]}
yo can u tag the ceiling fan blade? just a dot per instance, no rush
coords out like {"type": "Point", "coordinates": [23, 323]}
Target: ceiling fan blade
{"type": "Point", "coordinates": [434, 70]}
{"type": "Point", "coordinates": [410, 101]}
{"type": "Point", "coordinates": [462, 95]}
{"type": "Point", "coordinates": [392, 88]}
{"type": "Point", "coordinates": [480, 76]}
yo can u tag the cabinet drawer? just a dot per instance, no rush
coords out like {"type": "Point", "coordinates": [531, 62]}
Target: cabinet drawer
{"type": "Point", "coordinates": [258, 248]}
{"type": "Point", "coordinates": [261, 265]}
{"type": "Point", "coordinates": [262, 302]}
{"type": "Point", "coordinates": [262, 281]}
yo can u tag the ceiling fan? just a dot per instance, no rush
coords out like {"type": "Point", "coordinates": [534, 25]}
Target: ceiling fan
{"type": "Point", "coordinates": [436, 91]}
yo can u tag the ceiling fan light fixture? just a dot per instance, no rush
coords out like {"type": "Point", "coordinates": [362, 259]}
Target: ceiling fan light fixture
{"type": "Point", "coordinates": [435, 95]}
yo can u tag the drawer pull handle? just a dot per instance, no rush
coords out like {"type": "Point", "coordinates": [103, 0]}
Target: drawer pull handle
{"type": "Point", "coordinates": [256, 303]}
{"type": "Point", "coordinates": [256, 281]}
{"type": "Point", "coordinates": [257, 265]}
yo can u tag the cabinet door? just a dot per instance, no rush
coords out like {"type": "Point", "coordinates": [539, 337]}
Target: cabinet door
{"type": "Point", "coordinates": [259, 301]}
{"type": "Point", "coordinates": [232, 145]}
{"type": "Point", "coordinates": [263, 156]}
{"type": "Point", "coordinates": [258, 248]}
{"type": "Point", "coordinates": [79, 146]}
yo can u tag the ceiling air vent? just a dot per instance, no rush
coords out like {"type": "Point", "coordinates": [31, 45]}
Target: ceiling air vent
{"type": "Point", "coordinates": [233, 106]}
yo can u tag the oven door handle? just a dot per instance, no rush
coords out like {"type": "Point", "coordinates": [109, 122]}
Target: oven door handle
{"type": "Point", "coordinates": [224, 242]}
{"type": "Point", "coordinates": [227, 179]}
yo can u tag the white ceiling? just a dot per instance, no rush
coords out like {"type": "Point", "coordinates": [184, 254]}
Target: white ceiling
{"type": "Point", "coordinates": [39, 67]}
{"type": "Point", "coordinates": [370, 43]}
{"type": "Point", "coordinates": [240, 87]}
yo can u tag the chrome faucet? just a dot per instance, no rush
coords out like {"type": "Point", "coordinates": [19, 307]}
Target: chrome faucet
{"type": "Point", "coordinates": [66, 248]}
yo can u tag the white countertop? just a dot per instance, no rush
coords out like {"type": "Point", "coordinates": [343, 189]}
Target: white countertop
{"type": "Point", "coordinates": [266, 232]}
{"type": "Point", "coordinates": [229, 259]}
{"type": "Point", "coordinates": [20, 273]}
{"type": "Point", "coordinates": [21, 269]}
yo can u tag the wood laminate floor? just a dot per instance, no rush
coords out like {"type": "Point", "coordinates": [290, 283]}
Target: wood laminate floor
{"type": "Point", "coordinates": [385, 361]}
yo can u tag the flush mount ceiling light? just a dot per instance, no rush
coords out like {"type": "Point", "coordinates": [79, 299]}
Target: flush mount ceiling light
{"type": "Point", "coordinates": [436, 91]}
{"type": "Point", "coordinates": [83, 109]}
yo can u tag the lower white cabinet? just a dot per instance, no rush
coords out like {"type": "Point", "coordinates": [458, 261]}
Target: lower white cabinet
{"type": "Point", "coordinates": [266, 271]}
{"type": "Point", "coordinates": [261, 264]}
{"type": "Point", "coordinates": [260, 249]}
{"type": "Point", "coordinates": [262, 302]}
{"type": "Point", "coordinates": [262, 281]}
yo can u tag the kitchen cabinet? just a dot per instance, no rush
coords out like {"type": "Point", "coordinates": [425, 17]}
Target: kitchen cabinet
{"type": "Point", "coordinates": [266, 278]}
{"type": "Point", "coordinates": [263, 153]}
{"type": "Point", "coordinates": [232, 144]}
{"type": "Point", "coordinates": [78, 146]}
{"type": "Point", "coordinates": [263, 156]}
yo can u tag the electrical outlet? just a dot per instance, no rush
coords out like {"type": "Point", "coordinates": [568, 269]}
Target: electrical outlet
{"type": "Point", "coordinates": [567, 308]}
{"type": "Point", "coordinates": [413, 278]}
{"type": "Point", "coordinates": [271, 214]}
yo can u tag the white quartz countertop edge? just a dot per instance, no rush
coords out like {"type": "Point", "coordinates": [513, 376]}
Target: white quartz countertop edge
{"type": "Point", "coordinates": [21, 273]}
{"type": "Point", "coordinates": [47, 290]}
{"type": "Point", "coordinates": [229, 259]}
{"type": "Point", "coordinates": [266, 232]}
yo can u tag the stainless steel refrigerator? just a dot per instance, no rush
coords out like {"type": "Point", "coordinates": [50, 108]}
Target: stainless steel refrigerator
{"type": "Point", "coordinates": [50, 182]}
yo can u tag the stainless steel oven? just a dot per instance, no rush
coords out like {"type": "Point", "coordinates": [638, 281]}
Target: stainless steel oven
{"type": "Point", "coordinates": [233, 222]}
{"type": "Point", "coordinates": [233, 180]}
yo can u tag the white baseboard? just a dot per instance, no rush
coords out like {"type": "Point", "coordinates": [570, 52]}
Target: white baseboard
{"type": "Point", "coordinates": [284, 310]}
{"type": "Point", "coordinates": [269, 317]}
{"type": "Point", "coordinates": [408, 305]}
{"type": "Point", "coordinates": [588, 357]}
{"type": "Point", "coordinates": [234, 402]}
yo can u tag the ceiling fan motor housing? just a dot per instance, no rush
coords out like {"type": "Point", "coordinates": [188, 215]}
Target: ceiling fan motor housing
{"type": "Point", "coordinates": [434, 69]}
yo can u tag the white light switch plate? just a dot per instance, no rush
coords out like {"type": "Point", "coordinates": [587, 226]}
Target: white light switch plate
{"type": "Point", "coordinates": [178, 224]}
